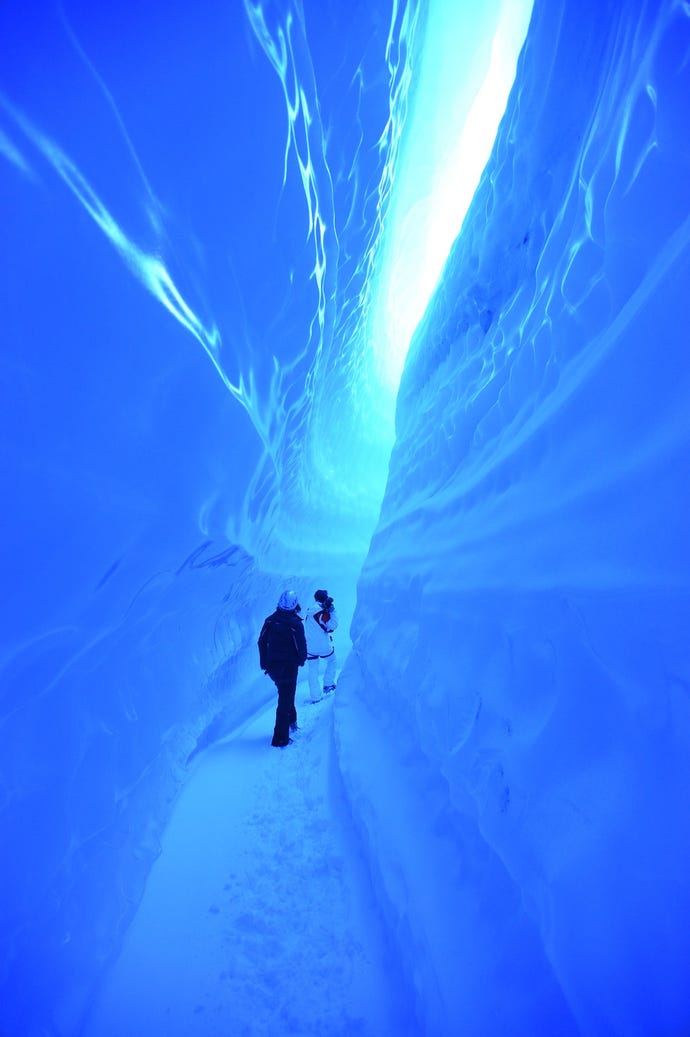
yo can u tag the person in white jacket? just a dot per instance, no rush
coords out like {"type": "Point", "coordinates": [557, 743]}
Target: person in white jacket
{"type": "Point", "coordinates": [319, 623]}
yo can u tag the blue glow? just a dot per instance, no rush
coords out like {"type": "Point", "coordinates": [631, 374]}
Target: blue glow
{"type": "Point", "coordinates": [368, 296]}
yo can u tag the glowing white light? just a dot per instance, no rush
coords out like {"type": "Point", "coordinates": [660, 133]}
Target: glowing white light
{"type": "Point", "coordinates": [467, 68]}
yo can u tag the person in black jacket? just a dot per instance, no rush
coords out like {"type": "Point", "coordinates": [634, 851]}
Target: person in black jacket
{"type": "Point", "coordinates": [282, 650]}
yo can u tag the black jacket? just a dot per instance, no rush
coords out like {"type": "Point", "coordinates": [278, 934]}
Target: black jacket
{"type": "Point", "coordinates": [282, 640]}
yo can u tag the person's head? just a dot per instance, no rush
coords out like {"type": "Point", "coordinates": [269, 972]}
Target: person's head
{"type": "Point", "coordinates": [288, 601]}
{"type": "Point", "coordinates": [320, 596]}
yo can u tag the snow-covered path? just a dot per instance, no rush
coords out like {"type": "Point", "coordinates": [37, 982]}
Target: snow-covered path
{"type": "Point", "coordinates": [258, 917]}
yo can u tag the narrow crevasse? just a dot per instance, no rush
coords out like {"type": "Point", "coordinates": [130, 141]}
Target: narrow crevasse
{"type": "Point", "coordinates": [209, 272]}
{"type": "Point", "coordinates": [196, 205]}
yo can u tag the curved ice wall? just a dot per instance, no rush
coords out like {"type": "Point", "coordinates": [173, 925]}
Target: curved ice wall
{"type": "Point", "coordinates": [189, 230]}
{"type": "Point", "coordinates": [520, 670]}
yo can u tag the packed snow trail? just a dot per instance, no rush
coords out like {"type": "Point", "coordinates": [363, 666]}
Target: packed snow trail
{"type": "Point", "coordinates": [258, 917]}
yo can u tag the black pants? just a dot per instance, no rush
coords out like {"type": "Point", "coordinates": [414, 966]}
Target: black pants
{"type": "Point", "coordinates": [285, 678]}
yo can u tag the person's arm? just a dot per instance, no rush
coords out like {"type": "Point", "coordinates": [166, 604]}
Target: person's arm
{"type": "Point", "coordinates": [263, 636]}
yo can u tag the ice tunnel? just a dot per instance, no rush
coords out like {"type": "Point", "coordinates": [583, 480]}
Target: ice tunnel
{"type": "Point", "coordinates": [299, 293]}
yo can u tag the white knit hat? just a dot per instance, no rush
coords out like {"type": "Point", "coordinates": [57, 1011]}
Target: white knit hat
{"type": "Point", "coordinates": [288, 601]}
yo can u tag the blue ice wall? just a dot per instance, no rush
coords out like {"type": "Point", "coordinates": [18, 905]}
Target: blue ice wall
{"type": "Point", "coordinates": [195, 204]}
{"type": "Point", "coordinates": [188, 225]}
{"type": "Point", "coordinates": [521, 668]}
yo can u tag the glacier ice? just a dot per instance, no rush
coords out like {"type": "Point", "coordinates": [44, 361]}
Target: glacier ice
{"type": "Point", "coordinates": [204, 213]}
{"type": "Point", "coordinates": [520, 649]}
{"type": "Point", "coordinates": [180, 366]}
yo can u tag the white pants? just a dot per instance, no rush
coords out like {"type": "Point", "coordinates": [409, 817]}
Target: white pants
{"type": "Point", "coordinates": [313, 674]}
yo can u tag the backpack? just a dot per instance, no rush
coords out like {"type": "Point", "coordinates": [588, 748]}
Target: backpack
{"type": "Point", "coordinates": [275, 642]}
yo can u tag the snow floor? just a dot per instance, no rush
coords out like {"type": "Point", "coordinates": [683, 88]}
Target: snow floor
{"type": "Point", "coordinates": [258, 916]}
